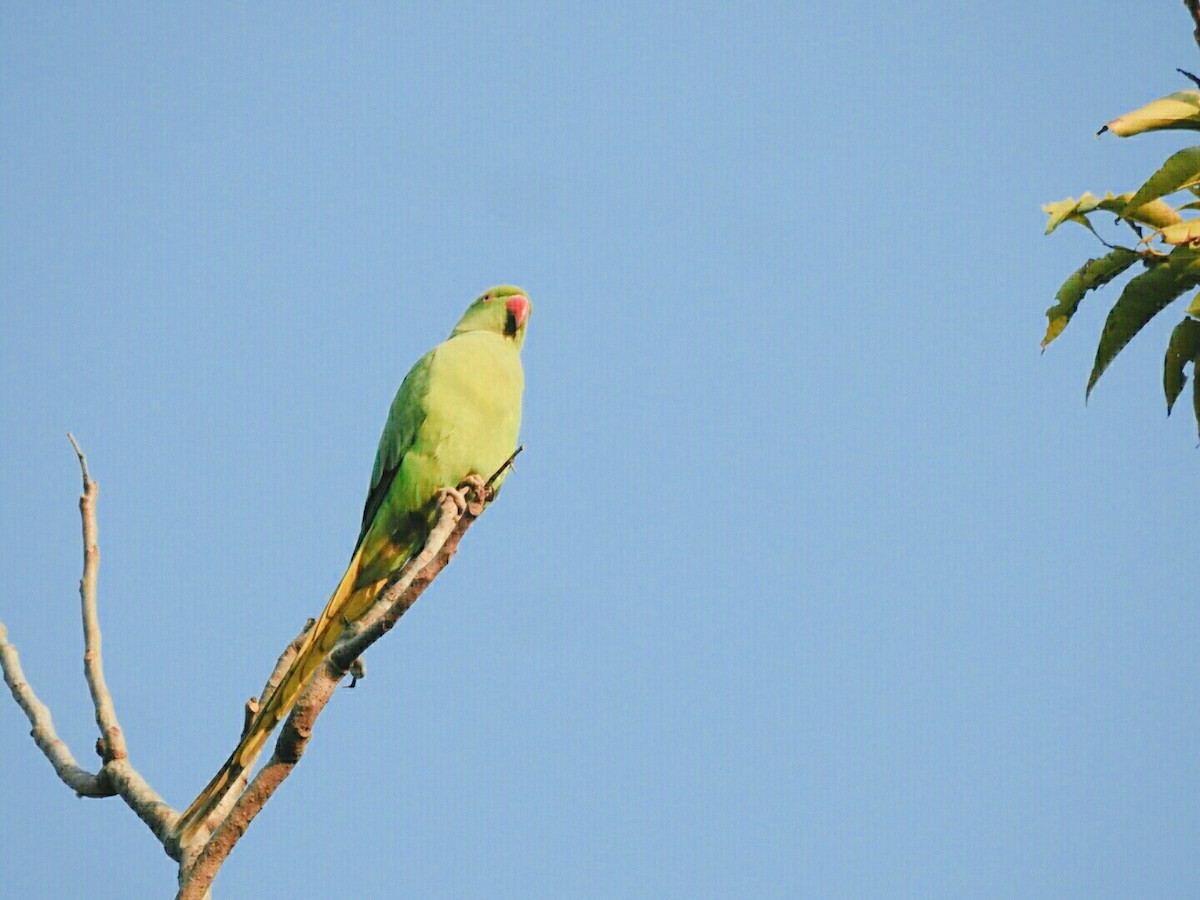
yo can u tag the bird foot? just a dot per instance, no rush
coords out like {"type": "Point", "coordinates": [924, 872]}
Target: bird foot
{"type": "Point", "coordinates": [477, 490]}
{"type": "Point", "coordinates": [468, 497]}
{"type": "Point", "coordinates": [458, 495]}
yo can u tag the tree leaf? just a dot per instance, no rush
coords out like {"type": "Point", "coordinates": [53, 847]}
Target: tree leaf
{"type": "Point", "coordinates": [1194, 307]}
{"type": "Point", "coordinates": [1092, 274]}
{"type": "Point", "coordinates": [1144, 297]}
{"type": "Point", "coordinates": [1181, 170]}
{"type": "Point", "coordinates": [1196, 397]}
{"type": "Point", "coordinates": [1181, 232]}
{"type": "Point", "coordinates": [1156, 213]}
{"type": "Point", "coordinates": [1178, 110]}
{"type": "Point", "coordinates": [1069, 209]}
{"type": "Point", "coordinates": [1183, 348]}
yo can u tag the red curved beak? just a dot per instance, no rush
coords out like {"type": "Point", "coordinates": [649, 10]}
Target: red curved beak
{"type": "Point", "coordinates": [518, 305]}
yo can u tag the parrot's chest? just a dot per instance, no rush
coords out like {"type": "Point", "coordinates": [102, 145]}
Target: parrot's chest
{"type": "Point", "coordinates": [474, 410]}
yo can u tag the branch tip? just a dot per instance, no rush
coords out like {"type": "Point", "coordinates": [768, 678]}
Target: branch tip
{"type": "Point", "coordinates": [83, 466]}
{"type": "Point", "coordinates": [508, 463]}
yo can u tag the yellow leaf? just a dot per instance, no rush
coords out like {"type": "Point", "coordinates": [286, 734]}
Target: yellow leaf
{"type": "Point", "coordinates": [1187, 232]}
{"type": "Point", "coordinates": [1069, 209]}
{"type": "Point", "coordinates": [1179, 110]}
{"type": "Point", "coordinates": [1194, 307]}
{"type": "Point", "coordinates": [1156, 213]}
{"type": "Point", "coordinates": [1054, 329]}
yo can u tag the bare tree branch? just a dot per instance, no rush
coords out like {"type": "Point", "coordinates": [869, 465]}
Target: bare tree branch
{"type": "Point", "coordinates": [81, 781]}
{"type": "Point", "coordinates": [200, 860]}
{"type": "Point", "coordinates": [152, 809]}
{"type": "Point", "coordinates": [393, 601]}
{"type": "Point", "coordinates": [116, 775]}
{"type": "Point", "coordinates": [93, 663]}
{"type": "Point", "coordinates": [276, 676]}
{"type": "Point", "coordinates": [217, 816]}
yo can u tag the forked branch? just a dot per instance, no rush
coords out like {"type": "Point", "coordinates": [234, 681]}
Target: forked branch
{"type": "Point", "coordinates": [116, 775]}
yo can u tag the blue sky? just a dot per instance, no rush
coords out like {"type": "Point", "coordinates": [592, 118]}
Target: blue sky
{"type": "Point", "coordinates": [814, 580]}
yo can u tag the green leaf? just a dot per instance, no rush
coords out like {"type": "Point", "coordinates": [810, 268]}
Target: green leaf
{"type": "Point", "coordinates": [1181, 170]}
{"type": "Point", "coordinates": [1144, 297]}
{"type": "Point", "coordinates": [1194, 307]}
{"type": "Point", "coordinates": [1183, 348]}
{"type": "Point", "coordinates": [1178, 110]}
{"type": "Point", "coordinates": [1092, 274]}
{"type": "Point", "coordinates": [1196, 397]}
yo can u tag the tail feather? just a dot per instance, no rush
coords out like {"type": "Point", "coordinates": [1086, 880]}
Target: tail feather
{"type": "Point", "coordinates": [347, 604]}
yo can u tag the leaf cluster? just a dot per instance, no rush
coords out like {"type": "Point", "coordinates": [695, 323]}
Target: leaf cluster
{"type": "Point", "coordinates": [1166, 250]}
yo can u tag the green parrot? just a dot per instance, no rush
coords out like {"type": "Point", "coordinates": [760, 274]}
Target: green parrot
{"type": "Point", "coordinates": [456, 414]}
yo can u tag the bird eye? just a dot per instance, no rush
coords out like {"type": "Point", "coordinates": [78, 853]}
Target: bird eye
{"type": "Point", "coordinates": [486, 298]}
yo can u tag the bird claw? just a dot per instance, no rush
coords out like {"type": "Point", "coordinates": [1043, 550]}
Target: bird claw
{"type": "Point", "coordinates": [478, 491]}
{"type": "Point", "coordinates": [468, 497]}
{"type": "Point", "coordinates": [458, 495]}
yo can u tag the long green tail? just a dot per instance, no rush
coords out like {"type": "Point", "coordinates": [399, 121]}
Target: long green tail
{"type": "Point", "coordinates": [347, 604]}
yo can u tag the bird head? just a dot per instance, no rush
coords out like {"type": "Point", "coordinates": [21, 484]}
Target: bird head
{"type": "Point", "coordinates": [503, 310]}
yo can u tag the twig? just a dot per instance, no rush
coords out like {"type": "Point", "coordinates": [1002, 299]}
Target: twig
{"type": "Point", "coordinates": [393, 601]}
{"type": "Point", "coordinates": [281, 667]}
{"type": "Point", "coordinates": [252, 706]}
{"type": "Point", "coordinates": [82, 460]}
{"type": "Point", "coordinates": [509, 464]}
{"type": "Point", "coordinates": [126, 780]}
{"type": "Point", "coordinates": [93, 665]}
{"type": "Point", "coordinates": [1193, 6]}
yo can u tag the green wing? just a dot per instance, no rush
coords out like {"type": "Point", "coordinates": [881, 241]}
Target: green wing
{"type": "Point", "coordinates": [403, 423]}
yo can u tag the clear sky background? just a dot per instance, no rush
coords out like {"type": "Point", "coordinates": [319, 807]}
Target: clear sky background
{"type": "Point", "coordinates": [815, 578]}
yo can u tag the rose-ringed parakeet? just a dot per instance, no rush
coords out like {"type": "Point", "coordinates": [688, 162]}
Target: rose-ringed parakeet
{"type": "Point", "coordinates": [456, 414]}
